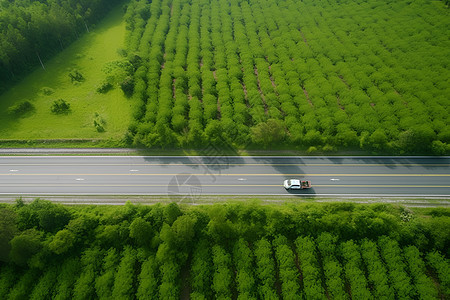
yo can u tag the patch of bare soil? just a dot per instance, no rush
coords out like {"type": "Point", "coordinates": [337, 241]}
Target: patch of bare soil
{"type": "Point", "coordinates": [307, 97]}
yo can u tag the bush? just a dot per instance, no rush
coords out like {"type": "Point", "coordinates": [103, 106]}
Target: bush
{"type": "Point", "coordinates": [223, 277]}
{"type": "Point", "coordinates": [21, 108]}
{"type": "Point", "coordinates": [47, 91]}
{"type": "Point", "coordinates": [148, 280]}
{"type": "Point", "coordinates": [201, 270]}
{"type": "Point", "coordinates": [99, 123]}
{"type": "Point", "coordinates": [24, 246]}
{"type": "Point", "coordinates": [268, 133]}
{"type": "Point", "coordinates": [104, 87]}
{"type": "Point", "coordinates": [440, 148]}
{"type": "Point", "coordinates": [68, 275]}
{"type": "Point", "coordinates": [60, 106]}
{"type": "Point", "coordinates": [123, 281]}
{"type": "Point", "coordinates": [76, 76]}
{"type": "Point", "coordinates": [265, 269]}
{"type": "Point", "coordinates": [127, 86]}
{"type": "Point", "coordinates": [312, 150]}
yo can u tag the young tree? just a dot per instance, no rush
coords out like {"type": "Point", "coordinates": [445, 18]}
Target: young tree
{"type": "Point", "coordinates": [123, 287]}
{"type": "Point", "coordinates": [332, 268]}
{"type": "Point", "coordinates": [416, 266]}
{"type": "Point", "coordinates": [8, 277]}
{"type": "Point", "coordinates": [243, 261]}
{"type": "Point", "coordinates": [353, 270]}
{"type": "Point", "coordinates": [8, 229]}
{"type": "Point", "coordinates": [142, 232]}
{"type": "Point", "coordinates": [289, 275]}
{"type": "Point", "coordinates": [202, 271]}
{"type": "Point", "coordinates": [24, 246]}
{"type": "Point", "coordinates": [265, 269]}
{"type": "Point", "coordinates": [222, 278]}
{"type": "Point", "coordinates": [392, 255]}
{"type": "Point", "coordinates": [377, 273]}
{"type": "Point", "coordinates": [148, 279]}
{"type": "Point", "coordinates": [67, 277]}
{"type": "Point", "coordinates": [105, 281]}
{"type": "Point", "coordinates": [309, 265]}
{"type": "Point", "coordinates": [271, 132]}
{"type": "Point", "coordinates": [45, 286]}
{"type": "Point", "coordinates": [84, 287]}
{"type": "Point", "coordinates": [24, 286]}
{"type": "Point", "coordinates": [441, 266]}
{"type": "Point", "coordinates": [62, 241]}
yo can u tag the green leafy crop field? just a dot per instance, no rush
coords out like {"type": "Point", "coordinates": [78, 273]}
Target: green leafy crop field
{"type": "Point", "coordinates": [90, 56]}
{"type": "Point", "coordinates": [311, 75]}
{"type": "Point", "coordinates": [231, 251]}
{"type": "Point", "coordinates": [369, 76]}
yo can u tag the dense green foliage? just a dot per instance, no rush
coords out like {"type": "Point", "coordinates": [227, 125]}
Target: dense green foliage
{"type": "Point", "coordinates": [231, 251]}
{"type": "Point", "coordinates": [60, 106]}
{"type": "Point", "coordinates": [32, 31]}
{"type": "Point", "coordinates": [20, 108]}
{"type": "Point", "coordinates": [317, 75]}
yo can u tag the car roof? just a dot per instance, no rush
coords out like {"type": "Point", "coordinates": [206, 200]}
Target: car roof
{"type": "Point", "coordinates": [295, 182]}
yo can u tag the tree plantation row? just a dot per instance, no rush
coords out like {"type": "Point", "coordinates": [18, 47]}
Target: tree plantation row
{"type": "Point", "coordinates": [317, 75]}
{"type": "Point", "coordinates": [227, 251]}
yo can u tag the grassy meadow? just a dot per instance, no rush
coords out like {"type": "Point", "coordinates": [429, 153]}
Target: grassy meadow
{"type": "Point", "coordinates": [89, 55]}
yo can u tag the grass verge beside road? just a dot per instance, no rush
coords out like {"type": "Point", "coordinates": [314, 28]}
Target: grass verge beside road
{"type": "Point", "coordinates": [225, 199]}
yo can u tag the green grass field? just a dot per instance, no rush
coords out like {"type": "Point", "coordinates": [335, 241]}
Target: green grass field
{"type": "Point", "coordinates": [88, 55]}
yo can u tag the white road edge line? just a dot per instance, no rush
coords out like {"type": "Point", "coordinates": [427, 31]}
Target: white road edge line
{"type": "Point", "coordinates": [209, 194]}
{"type": "Point", "coordinates": [222, 156]}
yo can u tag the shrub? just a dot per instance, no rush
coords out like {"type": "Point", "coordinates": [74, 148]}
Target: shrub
{"type": "Point", "coordinates": [268, 133]}
{"type": "Point", "coordinates": [76, 76]}
{"type": "Point", "coordinates": [288, 272]}
{"type": "Point", "coordinates": [21, 108]}
{"type": "Point", "coordinates": [245, 279]}
{"type": "Point", "coordinates": [265, 269]}
{"type": "Point", "coordinates": [312, 149]}
{"type": "Point", "coordinates": [353, 268]}
{"type": "Point", "coordinates": [47, 91]}
{"type": "Point", "coordinates": [104, 87]}
{"type": "Point", "coordinates": [392, 255]}
{"type": "Point", "coordinates": [223, 276]}
{"type": "Point", "coordinates": [127, 86]}
{"type": "Point", "coordinates": [60, 106]}
{"type": "Point", "coordinates": [440, 148]}
{"type": "Point", "coordinates": [148, 280]}
{"type": "Point", "coordinates": [99, 123]}
{"type": "Point", "coordinates": [201, 270]}
{"type": "Point", "coordinates": [123, 281]}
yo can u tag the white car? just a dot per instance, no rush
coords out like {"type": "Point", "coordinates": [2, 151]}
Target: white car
{"type": "Point", "coordinates": [296, 184]}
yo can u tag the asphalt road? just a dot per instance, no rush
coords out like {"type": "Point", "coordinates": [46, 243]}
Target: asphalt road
{"type": "Point", "coordinates": [143, 175]}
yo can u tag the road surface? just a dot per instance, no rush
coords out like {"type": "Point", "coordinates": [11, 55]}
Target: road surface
{"type": "Point", "coordinates": [144, 175]}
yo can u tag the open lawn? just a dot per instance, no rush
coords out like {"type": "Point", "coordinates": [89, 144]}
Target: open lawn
{"type": "Point", "coordinates": [88, 55]}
